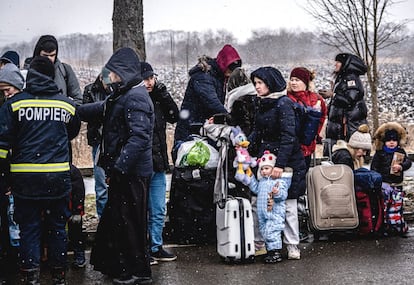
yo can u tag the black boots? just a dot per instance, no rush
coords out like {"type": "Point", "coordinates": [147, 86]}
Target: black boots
{"type": "Point", "coordinates": [273, 256]}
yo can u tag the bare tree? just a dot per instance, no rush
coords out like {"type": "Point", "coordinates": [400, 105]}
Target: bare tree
{"type": "Point", "coordinates": [128, 26]}
{"type": "Point", "coordinates": [360, 27]}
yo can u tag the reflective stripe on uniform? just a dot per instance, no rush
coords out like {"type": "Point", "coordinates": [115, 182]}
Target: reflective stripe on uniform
{"type": "Point", "coordinates": [40, 103]}
{"type": "Point", "coordinates": [3, 153]}
{"type": "Point", "coordinates": [39, 167]}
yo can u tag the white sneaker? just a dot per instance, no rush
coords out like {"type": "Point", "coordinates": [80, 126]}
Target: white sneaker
{"type": "Point", "coordinates": [293, 252]}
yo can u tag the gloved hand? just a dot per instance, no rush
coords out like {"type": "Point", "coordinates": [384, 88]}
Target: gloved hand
{"type": "Point", "coordinates": [75, 219]}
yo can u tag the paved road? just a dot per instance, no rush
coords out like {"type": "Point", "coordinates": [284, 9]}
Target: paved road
{"type": "Point", "coordinates": [333, 261]}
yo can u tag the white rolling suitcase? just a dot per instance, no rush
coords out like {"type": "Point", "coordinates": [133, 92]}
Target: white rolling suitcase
{"type": "Point", "coordinates": [235, 233]}
{"type": "Point", "coordinates": [234, 219]}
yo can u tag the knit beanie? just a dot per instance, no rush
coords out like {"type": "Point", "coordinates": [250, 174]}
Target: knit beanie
{"type": "Point", "coordinates": [271, 77]}
{"type": "Point", "coordinates": [146, 70]}
{"type": "Point", "coordinates": [10, 75]}
{"type": "Point", "coordinates": [43, 65]}
{"type": "Point", "coordinates": [267, 159]}
{"type": "Point", "coordinates": [228, 57]}
{"type": "Point", "coordinates": [391, 135]}
{"type": "Point", "coordinates": [361, 138]}
{"type": "Point", "coordinates": [11, 57]}
{"type": "Point", "coordinates": [302, 73]}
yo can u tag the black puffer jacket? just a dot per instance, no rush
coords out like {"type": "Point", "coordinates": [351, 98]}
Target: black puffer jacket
{"type": "Point", "coordinates": [203, 97]}
{"type": "Point", "coordinates": [128, 119]}
{"type": "Point", "coordinates": [347, 107]}
{"type": "Point", "coordinates": [165, 111]}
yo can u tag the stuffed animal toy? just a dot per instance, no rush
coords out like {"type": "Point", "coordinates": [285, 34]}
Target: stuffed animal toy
{"type": "Point", "coordinates": [243, 161]}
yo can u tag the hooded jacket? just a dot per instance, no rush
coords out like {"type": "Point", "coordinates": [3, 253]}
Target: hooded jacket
{"type": "Point", "coordinates": [37, 126]}
{"type": "Point", "coordinates": [347, 109]}
{"type": "Point", "coordinates": [381, 162]}
{"type": "Point", "coordinates": [128, 119]}
{"type": "Point", "coordinates": [275, 130]}
{"type": "Point", "coordinates": [65, 78]}
{"type": "Point", "coordinates": [204, 97]}
{"type": "Point", "coordinates": [226, 56]}
{"type": "Point", "coordinates": [11, 75]}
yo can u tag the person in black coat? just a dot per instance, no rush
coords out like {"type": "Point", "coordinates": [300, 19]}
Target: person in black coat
{"type": "Point", "coordinates": [205, 91]}
{"type": "Point", "coordinates": [127, 114]}
{"type": "Point", "coordinates": [166, 110]}
{"type": "Point", "coordinates": [95, 92]}
{"type": "Point", "coordinates": [347, 109]}
{"type": "Point", "coordinates": [275, 131]}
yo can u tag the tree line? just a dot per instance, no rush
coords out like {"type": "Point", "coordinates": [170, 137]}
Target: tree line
{"type": "Point", "coordinates": [169, 47]}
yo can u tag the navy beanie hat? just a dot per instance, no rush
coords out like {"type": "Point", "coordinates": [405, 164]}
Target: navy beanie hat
{"type": "Point", "coordinates": [272, 77]}
{"type": "Point", "coordinates": [11, 57]}
{"type": "Point", "coordinates": [43, 65]}
{"type": "Point", "coordinates": [146, 70]}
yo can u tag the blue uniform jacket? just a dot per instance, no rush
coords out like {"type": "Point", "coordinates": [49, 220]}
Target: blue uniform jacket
{"type": "Point", "coordinates": [36, 126]}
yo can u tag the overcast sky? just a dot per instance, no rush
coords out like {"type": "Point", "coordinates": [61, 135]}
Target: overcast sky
{"type": "Point", "coordinates": [23, 20]}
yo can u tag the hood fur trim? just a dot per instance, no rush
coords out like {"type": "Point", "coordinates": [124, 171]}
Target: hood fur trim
{"type": "Point", "coordinates": [380, 133]}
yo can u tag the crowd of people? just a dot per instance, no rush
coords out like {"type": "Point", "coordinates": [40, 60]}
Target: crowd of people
{"type": "Point", "coordinates": [127, 109]}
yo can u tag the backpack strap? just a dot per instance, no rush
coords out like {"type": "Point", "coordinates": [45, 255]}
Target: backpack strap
{"type": "Point", "coordinates": [64, 72]}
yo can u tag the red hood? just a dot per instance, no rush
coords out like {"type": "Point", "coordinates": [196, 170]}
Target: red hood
{"type": "Point", "coordinates": [226, 56]}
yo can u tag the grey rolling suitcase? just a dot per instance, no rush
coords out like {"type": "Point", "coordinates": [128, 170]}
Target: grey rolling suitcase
{"type": "Point", "coordinates": [331, 198]}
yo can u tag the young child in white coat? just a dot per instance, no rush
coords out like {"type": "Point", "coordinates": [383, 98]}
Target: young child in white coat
{"type": "Point", "coordinates": [271, 209]}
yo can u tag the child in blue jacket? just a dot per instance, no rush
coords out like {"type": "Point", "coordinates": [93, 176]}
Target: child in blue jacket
{"type": "Point", "coordinates": [271, 209]}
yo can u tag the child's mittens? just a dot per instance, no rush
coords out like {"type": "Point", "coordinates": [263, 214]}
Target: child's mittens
{"type": "Point", "coordinates": [75, 219]}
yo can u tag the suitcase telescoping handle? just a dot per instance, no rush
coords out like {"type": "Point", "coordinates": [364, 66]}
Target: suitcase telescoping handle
{"type": "Point", "coordinates": [224, 186]}
{"type": "Point", "coordinates": [328, 141]}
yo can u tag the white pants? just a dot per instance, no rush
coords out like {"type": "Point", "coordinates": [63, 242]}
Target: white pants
{"type": "Point", "coordinates": [258, 239]}
{"type": "Point", "coordinates": [291, 231]}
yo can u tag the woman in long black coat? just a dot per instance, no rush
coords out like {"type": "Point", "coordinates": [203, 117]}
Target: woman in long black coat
{"type": "Point", "coordinates": [275, 131]}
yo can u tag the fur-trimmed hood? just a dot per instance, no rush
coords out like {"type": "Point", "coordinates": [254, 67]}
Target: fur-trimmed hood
{"type": "Point", "coordinates": [380, 134]}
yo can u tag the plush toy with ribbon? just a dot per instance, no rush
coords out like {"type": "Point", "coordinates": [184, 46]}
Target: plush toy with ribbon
{"type": "Point", "coordinates": [243, 161]}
